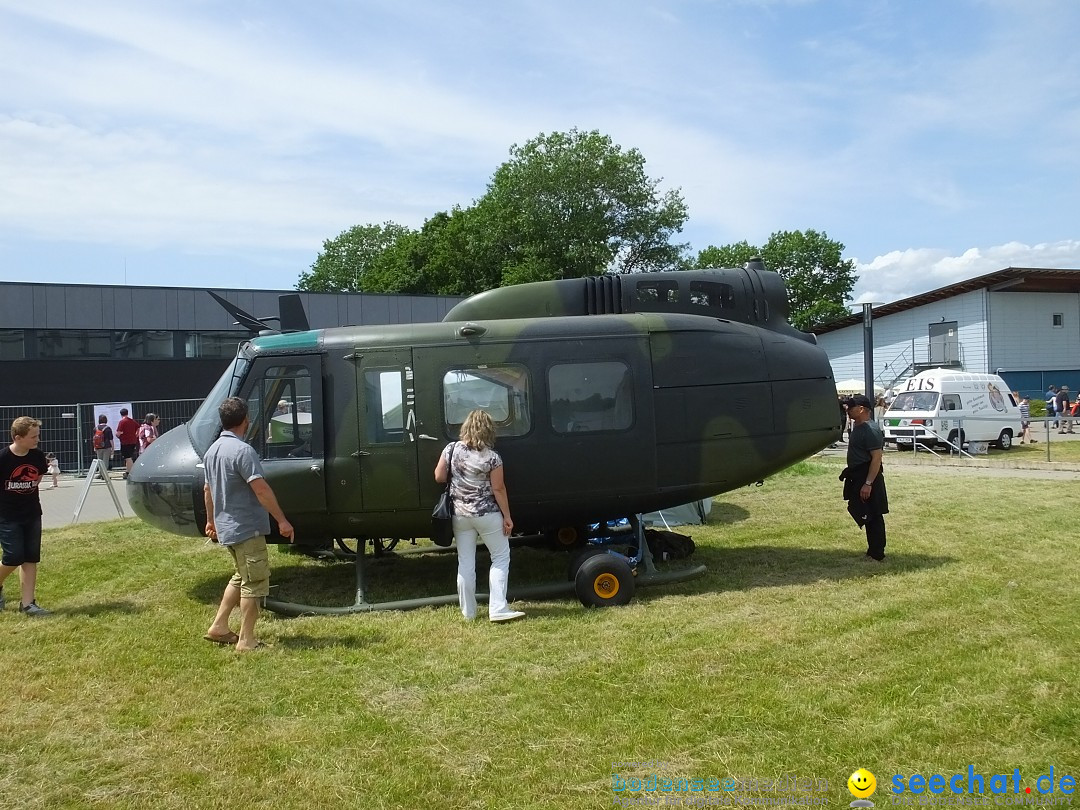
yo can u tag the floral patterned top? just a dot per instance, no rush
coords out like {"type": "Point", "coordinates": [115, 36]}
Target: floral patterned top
{"type": "Point", "coordinates": [470, 482]}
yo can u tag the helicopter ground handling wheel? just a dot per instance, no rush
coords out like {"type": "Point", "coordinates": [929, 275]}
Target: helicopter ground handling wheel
{"type": "Point", "coordinates": [604, 580]}
{"type": "Point", "coordinates": [567, 537]}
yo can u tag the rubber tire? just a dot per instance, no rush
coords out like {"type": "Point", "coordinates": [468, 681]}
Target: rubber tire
{"type": "Point", "coordinates": [567, 538]}
{"type": "Point", "coordinates": [604, 580]}
{"type": "Point", "coordinates": [953, 438]}
{"type": "Point", "coordinates": [1005, 439]}
{"type": "Point", "coordinates": [579, 559]}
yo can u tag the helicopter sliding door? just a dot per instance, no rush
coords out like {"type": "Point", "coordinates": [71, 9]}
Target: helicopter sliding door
{"type": "Point", "coordinates": [387, 430]}
{"type": "Point", "coordinates": [284, 398]}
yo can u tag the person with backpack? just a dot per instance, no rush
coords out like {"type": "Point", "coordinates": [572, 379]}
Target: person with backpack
{"type": "Point", "coordinates": [103, 442]}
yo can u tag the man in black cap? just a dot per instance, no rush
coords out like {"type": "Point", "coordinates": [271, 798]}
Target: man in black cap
{"type": "Point", "coordinates": [864, 480]}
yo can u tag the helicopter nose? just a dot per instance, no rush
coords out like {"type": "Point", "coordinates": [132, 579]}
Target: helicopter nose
{"type": "Point", "coordinates": [165, 485]}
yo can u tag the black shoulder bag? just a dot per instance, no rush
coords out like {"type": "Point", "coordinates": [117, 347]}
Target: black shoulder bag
{"type": "Point", "coordinates": [442, 524]}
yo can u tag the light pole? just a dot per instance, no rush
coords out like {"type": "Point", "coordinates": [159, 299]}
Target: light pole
{"type": "Point", "coordinates": [868, 349]}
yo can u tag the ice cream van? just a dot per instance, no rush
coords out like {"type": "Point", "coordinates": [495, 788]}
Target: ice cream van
{"type": "Point", "coordinates": [940, 406]}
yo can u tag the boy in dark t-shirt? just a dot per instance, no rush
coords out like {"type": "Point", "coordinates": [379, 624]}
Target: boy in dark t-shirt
{"type": "Point", "coordinates": [22, 466]}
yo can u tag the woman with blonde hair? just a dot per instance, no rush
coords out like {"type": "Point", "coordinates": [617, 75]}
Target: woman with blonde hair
{"type": "Point", "coordinates": [478, 491]}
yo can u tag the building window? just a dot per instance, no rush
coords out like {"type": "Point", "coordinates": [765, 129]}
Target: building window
{"type": "Point", "coordinates": [1059, 320]}
{"type": "Point", "coordinates": [74, 343]}
{"type": "Point", "coordinates": [212, 344]}
{"type": "Point", "coordinates": [12, 345]}
{"type": "Point", "coordinates": [133, 344]}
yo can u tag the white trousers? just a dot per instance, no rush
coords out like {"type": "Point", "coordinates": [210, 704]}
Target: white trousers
{"type": "Point", "coordinates": [489, 529]}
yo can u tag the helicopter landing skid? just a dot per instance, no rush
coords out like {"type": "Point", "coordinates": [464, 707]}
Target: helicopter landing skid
{"type": "Point", "coordinates": [605, 584]}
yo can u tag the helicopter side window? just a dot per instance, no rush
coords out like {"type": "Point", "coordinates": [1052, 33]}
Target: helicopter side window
{"type": "Point", "coordinates": [658, 292]}
{"type": "Point", "coordinates": [385, 423]}
{"type": "Point", "coordinates": [501, 391]}
{"type": "Point", "coordinates": [711, 294]}
{"type": "Point", "coordinates": [591, 397]}
{"type": "Point", "coordinates": [280, 413]}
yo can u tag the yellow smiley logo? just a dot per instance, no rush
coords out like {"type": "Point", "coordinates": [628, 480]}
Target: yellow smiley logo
{"type": "Point", "coordinates": [862, 784]}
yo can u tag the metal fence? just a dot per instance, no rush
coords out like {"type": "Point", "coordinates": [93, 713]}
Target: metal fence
{"type": "Point", "coordinates": [68, 430]}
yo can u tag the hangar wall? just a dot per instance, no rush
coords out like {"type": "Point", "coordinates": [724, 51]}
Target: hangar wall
{"type": "Point", "coordinates": [85, 343]}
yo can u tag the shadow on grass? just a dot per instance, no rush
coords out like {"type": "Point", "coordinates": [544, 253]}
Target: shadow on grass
{"type": "Point", "coordinates": [351, 641]}
{"type": "Point", "coordinates": [721, 514]}
{"type": "Point", "coordinates": [95, 609]}
{"type": "Point", "coordinates": [732, 569]}
{"type": "Point", "coordinates": [329, 583]}
{"type": "Point", "coordinates": [395, 577]}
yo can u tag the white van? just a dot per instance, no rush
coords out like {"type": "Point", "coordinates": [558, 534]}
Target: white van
{"type": "Point", "coordinates": [940, 406]}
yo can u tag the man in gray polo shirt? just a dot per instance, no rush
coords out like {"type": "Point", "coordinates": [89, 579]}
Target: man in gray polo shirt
{"type": "Point", "coordinates": [237, 501]}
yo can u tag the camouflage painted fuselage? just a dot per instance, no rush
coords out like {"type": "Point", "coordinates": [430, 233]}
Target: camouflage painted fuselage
{"type": "Point", "coordinates": [714, 390]}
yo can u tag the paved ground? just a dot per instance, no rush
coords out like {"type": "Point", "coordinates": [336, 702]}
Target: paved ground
{"type": "Point", "coordinates": [999, 466]}
{"type": "Point", "coordinates": [58, 505]}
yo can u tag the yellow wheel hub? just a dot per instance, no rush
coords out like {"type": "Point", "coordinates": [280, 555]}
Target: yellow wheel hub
{"type": "Point", "coordinates": [606, 586]}
{"type": "Point", "coordinates": [567, 536]}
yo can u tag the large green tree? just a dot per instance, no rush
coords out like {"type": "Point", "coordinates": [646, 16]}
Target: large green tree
{"type": "Point", "coordinates": [565, 205]}
{"type": "Point", "coordinates": [819, 282]}
{"type": "Point", "coordinates": [574, 204]}
{"type": "Point", "coordinates": [354, 260]}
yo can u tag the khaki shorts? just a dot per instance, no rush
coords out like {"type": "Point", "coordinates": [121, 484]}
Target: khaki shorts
{"type": "Point", "coordinates": [252, 575]}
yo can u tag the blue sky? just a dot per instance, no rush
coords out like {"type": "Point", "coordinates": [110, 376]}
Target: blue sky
{"type": "Point", "coordinates": [211, 143]}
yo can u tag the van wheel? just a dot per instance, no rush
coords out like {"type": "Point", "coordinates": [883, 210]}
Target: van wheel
{"type": "Point", "coordinates": [1005, 440]}
{"type": "Point", "coordinates": [957, 439]}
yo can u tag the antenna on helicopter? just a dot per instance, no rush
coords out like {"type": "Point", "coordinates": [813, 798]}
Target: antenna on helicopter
{"type": "Point", "coordinates": [292, 317]}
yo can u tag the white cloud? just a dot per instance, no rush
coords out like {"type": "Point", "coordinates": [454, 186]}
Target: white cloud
{"type": "Point", "coordinates": [901, 274]}
{"type": "Point", "coordinates": [240, 130]}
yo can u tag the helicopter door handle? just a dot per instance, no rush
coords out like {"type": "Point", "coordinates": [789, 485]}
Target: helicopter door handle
{"type": "Point", "coordinates": [315, 468]}
{"type": "Point", "coordinates": [429, 438]}
{"type": "Point", "coordinates": [359, 453]}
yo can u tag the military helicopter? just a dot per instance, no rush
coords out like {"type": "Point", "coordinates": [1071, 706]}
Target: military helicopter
{"type": "Point", "coordinates": [613, 395]}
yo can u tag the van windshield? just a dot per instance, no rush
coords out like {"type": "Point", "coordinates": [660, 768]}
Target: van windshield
{"type": "Point", "coordinates": [915, 401]}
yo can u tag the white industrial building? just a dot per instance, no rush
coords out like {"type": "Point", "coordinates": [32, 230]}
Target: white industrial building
{"type": "Point", "coordinates": [1021, 322]}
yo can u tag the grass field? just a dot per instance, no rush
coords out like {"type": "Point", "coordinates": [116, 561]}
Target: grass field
{"type": "Point", "coordinates": [793, 657]}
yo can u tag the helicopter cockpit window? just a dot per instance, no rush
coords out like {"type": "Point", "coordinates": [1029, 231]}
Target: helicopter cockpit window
{"type": "Point", "coordinates": [205, 425]}
{"type": "Point", "coordinates": [280, 414]}
{"type": "Point", "coordinates": [502, 391]}
{"type": "Point", "coordinates": [658, 292]}
{"type": "Point", "coordinates": [590, 397]}
{"type": "Point", "coordinates": [384, 420]}
{"type": "Point", "coordinates": [711, 294]}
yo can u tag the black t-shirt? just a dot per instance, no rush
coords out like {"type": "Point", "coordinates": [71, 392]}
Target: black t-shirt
{"type": "Point", "coordinates": [19, 479]}
{"type": "Point", "coordinates": [865, 438]}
